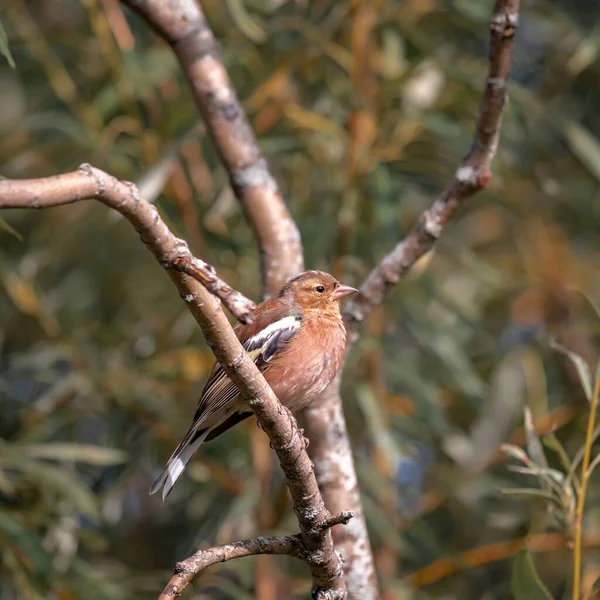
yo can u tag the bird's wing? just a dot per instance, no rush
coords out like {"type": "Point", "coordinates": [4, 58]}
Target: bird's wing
{"type": "Point", "coordinates": [263, 340]}
{"type": "Point", "coordinates": [262, 347]}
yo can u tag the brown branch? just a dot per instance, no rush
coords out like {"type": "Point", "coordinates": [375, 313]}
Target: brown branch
{"type": "Point", "coordinates": [278, 424]}
{"type": "Point", "coordinates": [472, 175]}
{"type": "Point", "coordinates": [183, 25]}
{"type": "Point", "coordinates": [290, 545]}
{"type": "Point", "coordinates": [241, 308]}
{"type": "Point", "coordinates": [324, 420]}
{"type": "Point", "coordinates": [187, 569]}
{"type": "Point", "coordinates": [82, 184]}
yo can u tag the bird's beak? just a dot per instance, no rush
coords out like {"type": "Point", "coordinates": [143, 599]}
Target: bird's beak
{"type": "Point", "coordinates": [343, 290]}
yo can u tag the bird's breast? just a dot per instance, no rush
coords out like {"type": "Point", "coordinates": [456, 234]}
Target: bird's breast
{"type": "Point", "coordinates": [311, 362]}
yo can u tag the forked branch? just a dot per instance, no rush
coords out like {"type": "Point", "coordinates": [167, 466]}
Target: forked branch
{"type": "Point", "coordinates": [290, 545]}
{"type": "Point", "coordinates": [278, 424]}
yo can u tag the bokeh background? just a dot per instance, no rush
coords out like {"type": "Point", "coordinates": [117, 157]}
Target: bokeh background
{"type": "Point", "coordinates": [364, 110]}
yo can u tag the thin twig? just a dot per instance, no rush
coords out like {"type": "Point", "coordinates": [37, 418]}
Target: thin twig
{"type": "Point", "coordinates": [342, 518]}
{"type": "Point", "coordinates": [472, 175]}
{"type": "Point", "coordinates": [290, 545]}
{"type": "Point", "coordinates": [241, 308]}
{"type": "Point", "coordinates": [278, 424]}
{"type": "Point", "coordinates": [187, 569]}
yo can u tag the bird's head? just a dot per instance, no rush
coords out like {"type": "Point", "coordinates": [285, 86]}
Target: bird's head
{"type": "Point", "coordinates": [316, 290]}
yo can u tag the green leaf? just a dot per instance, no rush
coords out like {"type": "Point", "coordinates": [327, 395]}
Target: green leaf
{"type": "Point", "coordinates": [583, 369]}
{"type": "Point", "coordinates": [584, 145]}
{"type": "Point", "coordinates": [39, 561]}
{"type": "Point", "coordinates": [531, 493]}
{"type": "Point", "coordinates": [10, 229]}
{"type": "Point", "coordinates": [85, 453]}
{"type": "Point", "coordinates": [525, 581]}
{"type": "Point", "coordinates": [4, 49]}
{"type": "Point", "coordinates": [64, 485]}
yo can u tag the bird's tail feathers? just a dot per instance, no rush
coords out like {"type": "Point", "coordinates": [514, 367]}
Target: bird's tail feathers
{"type": "Point", "coordinates": [176, 464]}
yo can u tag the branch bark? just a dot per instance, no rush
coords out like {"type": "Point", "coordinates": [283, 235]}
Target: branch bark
{"type": "Point", "coordinates": [472, 175]}
{"type": "Point", "coordinates": [278, 424]}
{"type": "Point", "coordinates": [183, 25]}
{"type": "Point", "coordinates": [323, 420]}
{"type": "Point", "coordinates": [187, 569]}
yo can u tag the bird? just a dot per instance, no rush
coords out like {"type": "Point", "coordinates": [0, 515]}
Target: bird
{"type": "Point", "coordinates": [297, 340]}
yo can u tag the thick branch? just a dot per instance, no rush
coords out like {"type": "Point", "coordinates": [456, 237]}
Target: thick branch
{"type": "Point", "coordinates": [183, 25]}
{"type": "Point", "coordinates": [472, 175]}
{"type": "Point", "coordinates": [88, 182]}
{"type": "Point", "coordinates": [324, 419]}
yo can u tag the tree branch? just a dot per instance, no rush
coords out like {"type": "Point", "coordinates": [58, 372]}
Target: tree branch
{"type": "Point", "coordinates": [187, 569]}
{"type": "Point", "coordinates": [471, 176]}
{"type": "Point", "coordinates": [239, 306]}
{"type": "Point", "coordinates": [278, 424]}
{"type": "Point", "coordinates": [183, 25]}
{"type": "Point", "coordinates": [88, 182]}
{"type": "Point", "coordinates": [290, 545]}
{"type": "Point", "coordinates": [324, 420]}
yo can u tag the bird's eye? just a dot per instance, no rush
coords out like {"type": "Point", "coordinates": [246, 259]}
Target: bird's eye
{"type": "Point", "coordinates": [319, 289]}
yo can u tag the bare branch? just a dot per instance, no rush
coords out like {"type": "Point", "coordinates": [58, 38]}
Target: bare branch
{"type": "Point", "coordinates": [88, 182]}
{"type": "Point", "coordinates": [324, 420]}
{"type": "Point", "coordinates": [472, 175]}
{"type": "Point", "coordinates": [187, 569]}
{"type": "Point", "coordinates": [290, 545]}
{"type": "Point", "coordinates": [342, 518]}
{"type": "Point", "coordinates": [240, 307]}
{"type": "Point", "coordinates": [277, 422]}
{"type": "Point", "coordinates": [331, 452]}
{"type": "Point", "coordinates": [183, 25]}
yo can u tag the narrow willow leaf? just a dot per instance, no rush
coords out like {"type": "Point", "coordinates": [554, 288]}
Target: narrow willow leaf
{"type": "Point", "coordinates": [525, 581]}
{"type": "Point", "coordinates": [583, 369]}
{"type": "Point", "coordinates": [553, 474]}
{"type": "Point", "coordinates": [534, 446]}
{"type": "Point", "coordinates": [39, 561]}
{"type": "Point", "coordinates": [584, 145]}
{"type": "Point", "coordinates": [85, 453]}
{"type": "Point", "coordinates": [594, 464]}
{"type": "Point", "coordinates": [531, 492]}
{"type": "Point", "coordinates": [10, 229]}
{"type": "Point", "coordinates": [515, 452]}
{"type": "Point", "coordinates": [4, 49]}
{"type": "Point", "coordinates": [553, 443]}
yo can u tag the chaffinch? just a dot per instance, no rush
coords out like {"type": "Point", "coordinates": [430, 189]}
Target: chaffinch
{"type": "Point", "coordinates": [297, 341]}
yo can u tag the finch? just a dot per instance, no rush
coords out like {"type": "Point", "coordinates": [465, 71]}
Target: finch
{"type": "Point", "coordinates": [297, 341]}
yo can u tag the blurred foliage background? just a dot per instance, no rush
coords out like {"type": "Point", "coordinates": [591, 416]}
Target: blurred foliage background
{"type": "Point", "coordinates": [364, 110]}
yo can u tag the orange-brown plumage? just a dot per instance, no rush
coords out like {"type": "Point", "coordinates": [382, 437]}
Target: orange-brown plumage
{"type": "Point", "coordinates": [297, 340]}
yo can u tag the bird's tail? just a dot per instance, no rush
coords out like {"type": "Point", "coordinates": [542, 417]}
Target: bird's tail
{"type": "Point", "coordinates": [176, 464]}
